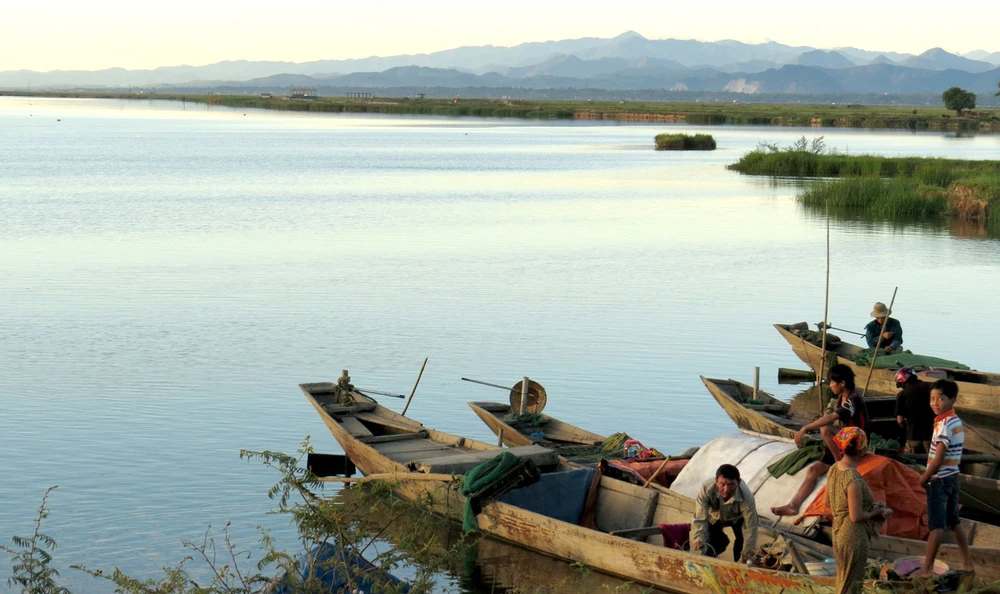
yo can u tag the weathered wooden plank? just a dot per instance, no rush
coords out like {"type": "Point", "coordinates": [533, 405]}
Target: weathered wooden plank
{"type": "Point", "coordinates": [460, 463]}
{"type": "Point", "coordinates": [352, 409]}
{"type": "Point", "coordinates": [355, 427]}
{"type": "Point", "coordinates": [395, 437]}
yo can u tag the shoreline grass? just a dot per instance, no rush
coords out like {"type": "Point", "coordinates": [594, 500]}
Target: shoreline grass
{"type": "Point", "coordinates": [892, 187]}
{"type": "Point", "coordinates": [684, 142]}
{"type": "Point", "coordinates": [705, 113]}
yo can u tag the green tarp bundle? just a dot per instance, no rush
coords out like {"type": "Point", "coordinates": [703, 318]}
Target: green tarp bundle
{"type": "Point", "coordinates": [798, 459]}
{"type": "Point", "coordinates": [904, 359]}
{"type": "Point", "coordinates": [480, 477]}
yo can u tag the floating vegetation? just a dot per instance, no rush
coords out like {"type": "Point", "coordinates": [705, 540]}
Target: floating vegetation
{"type": "Point", "coordinates": [685, 142]}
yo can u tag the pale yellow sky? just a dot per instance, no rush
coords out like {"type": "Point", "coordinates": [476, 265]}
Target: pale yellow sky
{"type": "Point", "coordinates": [64, 35]}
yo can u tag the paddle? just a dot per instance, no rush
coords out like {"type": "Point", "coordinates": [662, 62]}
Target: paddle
{"type": "Point", "coordinates": [390, 476]}
{"type": "Point", "coordinates": [826, 311]}
{"type": "Point", "coordinates": [417, 383]}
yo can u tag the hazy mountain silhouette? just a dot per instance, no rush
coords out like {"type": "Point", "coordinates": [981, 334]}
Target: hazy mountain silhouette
{"type": "Point", "coordinates": [628, 61]}
{"type": "Point", "coordinates": [823, 59]}
{"type": "Point", "coordinates": [938, 59]}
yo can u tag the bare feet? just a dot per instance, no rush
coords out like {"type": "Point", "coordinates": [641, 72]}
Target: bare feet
{"type": "Point", "coordinates": [785, 510]}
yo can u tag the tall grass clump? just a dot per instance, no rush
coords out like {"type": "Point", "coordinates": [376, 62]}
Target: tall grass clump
{"type": "Point", "coordinates": [685, 142]}
{"type": "Point", "coordinates": [892, 198]}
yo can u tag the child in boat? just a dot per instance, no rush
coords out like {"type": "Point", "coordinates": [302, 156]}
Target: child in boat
{"type": "Point", "coordinates": [941, 479]}
{"type": "Point", "coordinates": [913, 411]}
{"type": "Point", "coordinates": [848, 409]}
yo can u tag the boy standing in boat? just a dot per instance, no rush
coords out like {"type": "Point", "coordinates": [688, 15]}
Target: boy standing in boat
{"type": "Point", "coordinates": [848, 409]}
{"type": "Point", "coordinates": [941, 479]}
{"type": "Point", "coordinates": [892, 336]}
{"type": "Point", "coordinates": [913, 411]}
{"type": "Point", "coordinates": [725, 501]}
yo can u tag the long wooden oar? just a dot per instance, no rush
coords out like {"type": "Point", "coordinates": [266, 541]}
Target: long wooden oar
{"type": "Point", "coordinates": [878, 343]}
{"type": "Point", "coordinates": [826, 311]}
{"type": "Point", "coordinates": [417, 383]}
{"type": "Point", "coordinates": [831, 327]}
{"type": "Point", "coordinates": [389, 476]}
{"type": "Point", "coordinates": [658, 469]}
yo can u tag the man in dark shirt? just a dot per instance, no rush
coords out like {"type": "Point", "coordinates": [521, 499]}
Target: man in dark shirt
{"type": "Point", "coordinates": [892, 336]}
{"type": "Point", "coordinates": [848, 409]}
{"type": "Point", "coordinates": [913, 411]}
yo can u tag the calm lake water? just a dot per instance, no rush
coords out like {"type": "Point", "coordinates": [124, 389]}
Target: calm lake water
{"type": "Point", "coordinates": [169, 275]}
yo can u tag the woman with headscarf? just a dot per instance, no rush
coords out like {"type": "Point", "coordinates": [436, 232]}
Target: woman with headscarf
{"type": "Point", "coordinates": [854, 512]}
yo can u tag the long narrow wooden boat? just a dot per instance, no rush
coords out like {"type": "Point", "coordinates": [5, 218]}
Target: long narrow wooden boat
{"type": "Point", "coordinates": [543, 429]}
{"type": "Point", "coordinates": [378, 442]}
{"type": "Point", "coordinates": [981, 495]}
{"type": "Point", "coordinates": [979, 392]}
{"type": "Point", "coordinates": [985, 537]}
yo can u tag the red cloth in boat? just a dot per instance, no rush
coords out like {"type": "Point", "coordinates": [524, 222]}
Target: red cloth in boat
{"type": "Point", "coordinates": [898, 486]}
{"type": "Point", "coordinates": [642, 469]}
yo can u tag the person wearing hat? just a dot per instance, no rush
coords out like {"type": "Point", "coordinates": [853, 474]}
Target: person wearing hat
{"type": "Point", "coordinates": [892, 336]}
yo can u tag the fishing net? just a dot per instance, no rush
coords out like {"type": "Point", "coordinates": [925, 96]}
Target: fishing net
{"type": "Point", "coordinates": [612, 448]}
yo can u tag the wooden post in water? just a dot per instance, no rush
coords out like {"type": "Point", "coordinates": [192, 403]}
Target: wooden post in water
{"type": "Point", "coordinates": [524, 395]}
{"type": "Point", "coordinates": [500, 437]}
{"type": "Point", "coordinates": [756, 381]}
{"type": "Point", "coordinates": [826, 311]}
{"type": "Point", "coordinates": [878, 343]}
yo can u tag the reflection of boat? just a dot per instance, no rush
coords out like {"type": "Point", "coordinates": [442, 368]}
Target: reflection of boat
{"type": "Point", "coordinates": [478, 565]}
{"type": "Point", "coordinates": [379, 441]}
{"type": "Point", "coordinates": [338, 569]}
{"type": "Point", "coordinates": [979, 392]}
{"type": "Point", "coordinates": [980, 495]}
{"type": "Point", "coordinates": [749, 455]}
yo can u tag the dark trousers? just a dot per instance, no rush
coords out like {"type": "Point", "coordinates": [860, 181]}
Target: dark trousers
{"type": "Point", "coordinates": [719, 540]}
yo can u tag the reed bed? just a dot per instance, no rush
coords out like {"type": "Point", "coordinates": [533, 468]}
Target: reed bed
{"type": "Point", "coordinates": [685, 142]}
{"type": "Point", "coordinates": [890, 187]}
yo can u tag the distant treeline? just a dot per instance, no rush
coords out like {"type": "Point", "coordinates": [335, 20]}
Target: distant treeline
{"type": "Point", "coordinates": [771, 114]}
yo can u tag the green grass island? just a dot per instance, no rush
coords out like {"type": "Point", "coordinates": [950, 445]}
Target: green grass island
{"type": "Point", "coordinates": [684, 142]}
{"type": "Point", "coordinates": [890, 187]}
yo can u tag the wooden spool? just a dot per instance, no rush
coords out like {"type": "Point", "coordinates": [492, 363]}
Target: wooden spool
{"type": "Point", "coordinates": [536, 397]}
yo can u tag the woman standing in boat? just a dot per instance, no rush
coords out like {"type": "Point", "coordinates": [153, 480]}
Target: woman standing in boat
{"type": "Point", "coordinates": [854, 513]}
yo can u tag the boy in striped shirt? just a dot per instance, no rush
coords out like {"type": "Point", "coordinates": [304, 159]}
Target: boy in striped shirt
{"type": "Point", "coordinates": [941, 478]}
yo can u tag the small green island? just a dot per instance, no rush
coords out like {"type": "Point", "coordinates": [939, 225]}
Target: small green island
{"type": "Point", "coordinates": [685, 142]}
{"type": "Point", "coordinates": [890, 187]}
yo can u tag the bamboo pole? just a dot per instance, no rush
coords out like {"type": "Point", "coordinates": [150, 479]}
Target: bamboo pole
{"type": "Point", "coordinates": [417, 383]}
{"type": "Point", "coordinates": [389, 476]}
{"type": "Point", "coordinates": [756, 382]}
{"type": "Point", "coordinates": [826, 311]}
{"type": "Point", "coordinates": [878, 343]}
{"type": "Point", "coordinates": [524, 395]}
{"type": "Point", "coordinates": [658, 469]}
{"type": "Point", "coordinates": [797, 561]}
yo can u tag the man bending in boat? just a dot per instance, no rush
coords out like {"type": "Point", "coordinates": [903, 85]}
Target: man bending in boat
{"type": "Point", "coordinates": [725, 501]}
{"type": "Point", "coordinates": [846, 410]}
{"type": "Point", "coordinates": [892, 336]}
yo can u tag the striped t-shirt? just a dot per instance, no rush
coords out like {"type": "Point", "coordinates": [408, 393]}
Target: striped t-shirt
{"type": "Point", "coordinates": [950, 433]}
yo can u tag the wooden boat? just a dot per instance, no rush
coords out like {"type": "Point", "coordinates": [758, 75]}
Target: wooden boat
{"type": "Point", "coordinates": [379, 441]}
{"type": "Point", "coordinates": [985, 537]}
{"type": "Point", "coordinates": [979, 392]}
{"type": "Point", "coordinates": [980, 495]}
{"type": "Point", "coordinates": [553, 432]}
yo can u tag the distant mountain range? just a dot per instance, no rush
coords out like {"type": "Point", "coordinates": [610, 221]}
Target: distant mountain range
{"type": "Point", "coordinates": [628, 61]}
